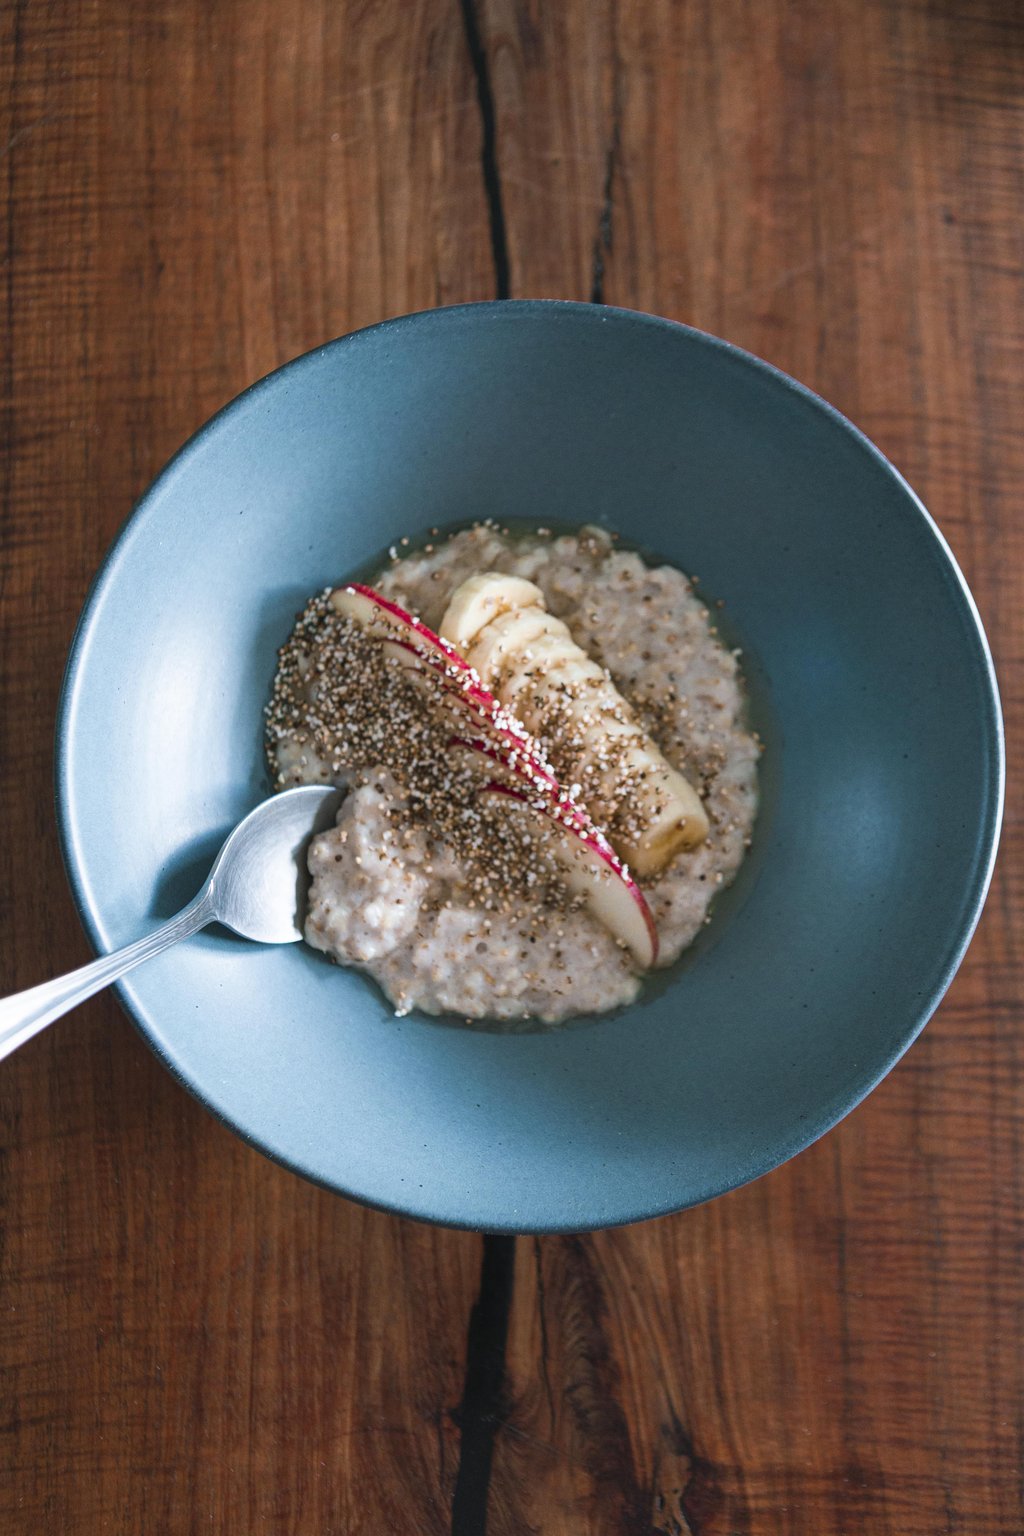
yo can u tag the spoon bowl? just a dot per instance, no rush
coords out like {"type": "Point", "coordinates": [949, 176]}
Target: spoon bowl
{"type": "Point", "coordinates": [258, 883]}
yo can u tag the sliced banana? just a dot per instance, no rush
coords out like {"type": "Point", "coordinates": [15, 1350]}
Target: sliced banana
{"type": "Point", "coordinates": [482, 599]}
{"type": "Point", "coordinates": [504, 639]}
{"type": "Point", "coordinates": [539, 686]}
{"type": "Point", "coordinates": [529, 659]}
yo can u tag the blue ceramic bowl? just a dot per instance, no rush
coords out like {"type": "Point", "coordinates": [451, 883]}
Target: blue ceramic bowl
{"type": "Point", "coordinates": [871, 680]}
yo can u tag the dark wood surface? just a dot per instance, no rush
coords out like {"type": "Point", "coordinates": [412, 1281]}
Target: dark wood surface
{"type": "Point", "coordinates": [192, 1340]}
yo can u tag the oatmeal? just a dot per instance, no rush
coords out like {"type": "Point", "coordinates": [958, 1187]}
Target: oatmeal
{"type": "Point", "coordinates": [548, 771]}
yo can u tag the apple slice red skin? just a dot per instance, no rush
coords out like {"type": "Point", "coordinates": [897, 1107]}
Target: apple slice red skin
{"type": "Point", "coordinates": [442, 658]}
{"type": "Point", "coordinates": [525, 767]}
{"type": "Point", "coordinates": [396, 612]}
{"type": "Point", "coordinates": [596, 840]}
{"type": "Point", "coordinates": [518, 754]}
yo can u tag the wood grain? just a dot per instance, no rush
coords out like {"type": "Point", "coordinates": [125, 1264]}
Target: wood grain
{"type": "Point", "coordinates": [194, 194]}
{"type": "Point", "coordinates": [194, 1340]}
{"type": "Point", "coordinates": [837, 188]}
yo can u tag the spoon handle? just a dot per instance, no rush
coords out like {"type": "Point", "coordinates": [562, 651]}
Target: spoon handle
{"type": "Point", "coordinates": [25, 1013]}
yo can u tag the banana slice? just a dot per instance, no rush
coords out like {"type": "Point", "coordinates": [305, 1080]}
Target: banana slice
{"type": "Point", "coordinates": [529, 659]}
{"type": "Point", "coordinates": [505, 639]}
{"type": "Point", "coordinates": [539, 686]}
{"type": "Point", "coordinates": [482, 599]}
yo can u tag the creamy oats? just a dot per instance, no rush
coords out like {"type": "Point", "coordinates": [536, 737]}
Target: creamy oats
{"type": "Point", "coordinates": [452, 898]}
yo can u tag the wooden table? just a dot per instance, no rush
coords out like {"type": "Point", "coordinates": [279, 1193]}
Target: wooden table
{"type": "Point", "coordinates": [192, 1340]}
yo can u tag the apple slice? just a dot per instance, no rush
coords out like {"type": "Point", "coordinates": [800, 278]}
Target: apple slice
{"type": "Point", "coordinates": [530, 770]}
{"type": "Point", "coordinates": [367, 607]}
{"type": "Point", "coordinates": [414, 644]}
{"type": "Point", "coordinates": [593, 871]}
{"type": "Point", "coordinates": [588, 859]}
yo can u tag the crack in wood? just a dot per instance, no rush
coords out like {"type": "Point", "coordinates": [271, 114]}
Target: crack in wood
{"type": "Point", "coordinates": [605, 222]}
{"type": "Point", "coordinates": [489, 149]}
{"type": "Point", "coordinates": [483, 1406]}
{"type": "Point", "coordinates": [605, 226]}
{"type": "Point", "coordinates": [542, 1313]}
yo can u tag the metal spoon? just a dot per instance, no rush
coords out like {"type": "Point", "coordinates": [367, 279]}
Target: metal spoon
{"type": "Point", "coordinates": [257, 887]}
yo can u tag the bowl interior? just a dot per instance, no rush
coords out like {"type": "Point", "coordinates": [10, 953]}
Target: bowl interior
{"type": "Point", "coordinates": [871, 680]}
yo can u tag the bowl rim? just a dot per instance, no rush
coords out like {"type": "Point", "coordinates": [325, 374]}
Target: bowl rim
{"type": "Point", "coordinates": [990, 821]}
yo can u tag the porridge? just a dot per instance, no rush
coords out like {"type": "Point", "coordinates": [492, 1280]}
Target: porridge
{"type": "Point", "coordinates": [547, 771]}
